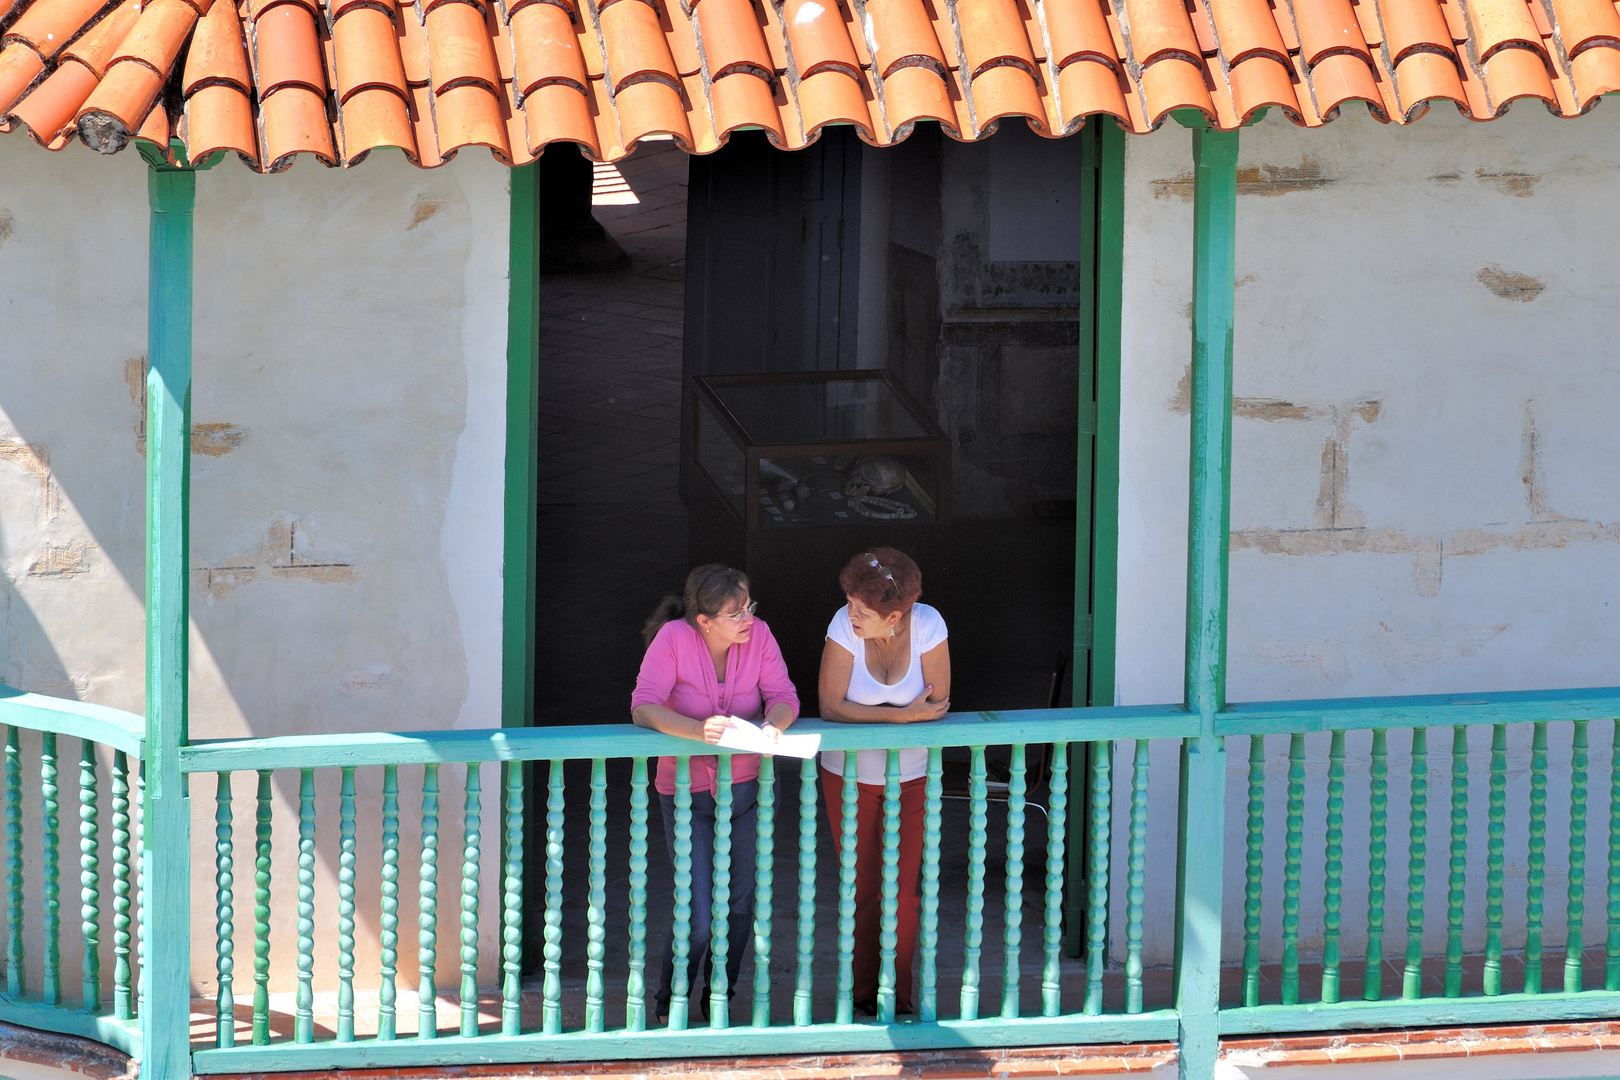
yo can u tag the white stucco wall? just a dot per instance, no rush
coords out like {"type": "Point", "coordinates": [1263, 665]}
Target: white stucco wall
{"type": "Point", "coordinates": [347, 494]}
{"type": "Point", "coordinates": [1424, 462]}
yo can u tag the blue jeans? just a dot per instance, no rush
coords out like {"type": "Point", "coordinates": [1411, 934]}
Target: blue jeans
{"type": "Point", "coordinates": [740, 922]}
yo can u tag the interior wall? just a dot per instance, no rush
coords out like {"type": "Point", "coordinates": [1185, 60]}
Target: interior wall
{"type": "Point", "coordinates": [983, 301]}
{"type": "Point", "coordinates": [347, 470]}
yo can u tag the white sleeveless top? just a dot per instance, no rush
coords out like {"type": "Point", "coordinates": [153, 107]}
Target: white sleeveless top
{"type": "Point", "coordinates": [927, 631]}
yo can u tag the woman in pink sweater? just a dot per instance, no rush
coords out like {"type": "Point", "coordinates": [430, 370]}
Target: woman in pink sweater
{"type": "Point", "coordinates": [709, 659]}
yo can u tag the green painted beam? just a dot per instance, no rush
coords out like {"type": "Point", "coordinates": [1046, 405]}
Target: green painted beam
{"type": "Point", "coordinates": [1429, 710]}
{"type": "Point", "coordinates": [1202, 811]}
{"type": "Point", "coordinates": [522, 449]}
{"type": "Point", "coordinates": [165, 860]}
{"type": "Point", "coordinates": [958, 729]}
{"type": "Point", "coordinates": [34, 1013]}
{"type": "Point", "coordinates": [1423, 1013]}
{"type": "Point", "coordinates": [695, 1043]}
{"type": "Point", "coordinates": [80, 719]}
{"type": "Point", "coordinates": [587, 741]}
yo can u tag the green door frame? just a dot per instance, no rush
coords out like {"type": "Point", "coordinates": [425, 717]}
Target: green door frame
{"type": "Point", "coordinates": [1096, 532]}
{"type": "Point", "coordinates": [522, 449]}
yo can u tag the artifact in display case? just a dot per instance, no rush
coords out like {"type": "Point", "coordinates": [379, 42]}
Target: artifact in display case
{"type": "Point", "coordinates": [799, 472]}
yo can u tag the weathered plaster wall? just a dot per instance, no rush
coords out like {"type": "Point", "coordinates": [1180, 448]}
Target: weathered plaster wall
{"type": "Point", "coordinates": [347, 499]}
{"type": "Point", "coordinates": [1424, 461]}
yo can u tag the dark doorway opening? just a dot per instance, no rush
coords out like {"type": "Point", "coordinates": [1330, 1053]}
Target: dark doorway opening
{"type": "Point", "coordinates": [831, 258]}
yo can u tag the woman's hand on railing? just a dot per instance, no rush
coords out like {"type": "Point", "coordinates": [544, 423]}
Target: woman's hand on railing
{"type": "Point", "coordinates": [714, 728]}
{"type": "Point", "coordinates": [922, 709]}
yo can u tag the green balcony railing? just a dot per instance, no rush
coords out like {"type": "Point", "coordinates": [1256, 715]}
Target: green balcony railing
{"type": "Point", "coordinates": [98, 997]}
{"type": "Point", "coordinates": [1343, 922]}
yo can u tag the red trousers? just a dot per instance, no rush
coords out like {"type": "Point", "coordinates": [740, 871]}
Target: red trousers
{"type": "Point", "coordinates": [869, 880]}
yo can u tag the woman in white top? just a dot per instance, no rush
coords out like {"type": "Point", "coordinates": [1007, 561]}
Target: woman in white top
{"type": "Point", "coordinates": [886, 661]}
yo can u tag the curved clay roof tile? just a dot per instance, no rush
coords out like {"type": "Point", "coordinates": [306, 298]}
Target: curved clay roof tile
{"type": "Point", "coordinates": [337, 78]}
{"type": "Point", "coordinates": [1160, 26]}
{"type": "Point", "coordinates": [217, 55]}
{"type": "Point", "coordinates": [288, 49]}
{"type": "Point", "coordinates": [47, 114]}
{"type": "Point", "coordinates": [219, 117]}
{"type": "Point", "coordinates": [547, 51]}
{"type": "Point", "coordinates": [365, 51]}
{"type": "Point", "coordinates": [49, 25]}
{"type": "Point", "coordinates": [95, 50]}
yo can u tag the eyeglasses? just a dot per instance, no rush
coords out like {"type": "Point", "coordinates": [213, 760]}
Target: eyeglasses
{"type": "Point", "coordinates": [745, 613]}
{"type": "Point", "coordinates": [872, 561]}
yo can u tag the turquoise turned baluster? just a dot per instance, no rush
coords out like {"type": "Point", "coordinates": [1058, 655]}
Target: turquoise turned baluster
{"type": "Point", "coordinates": [928, 935]}
{"type": "Point", "coordinates": [551, 988]}
{"type": "Point", "coordinates": [805, 975]}
{"type": "Point", "coordinates": [764, 859]}
{"type": "Point", "coordinates": [680, 983]}
{"type": "Point", "coordinates": [1577, 859]}
{"type": "Point", "coordinates": [1457, 885]}
{"type": "Point", "coordinates": [596, 902]}
{"type": "Point", "coordinates": [388, 937]}
{"type": "Point", "coordinates": [635, 1004]}
{"type": "Point", "coordinates": [427, 922]}
{"type": "Point", "coordinates": [224, 930]}
{"type": "Point", "coordinates": [1136, 867]}
{"type": "Point", "coordinates": [1611, 963]}
{"type": "Point", "coordinates": [1417, 862]}
{"type": "Point", "coordinates": [1254, 870]}
{"type": "Point", "coordinates": [1535, 876]}
{"type": "Point", "coordinates": [889, 902]}
{"type": "Point", "coordinates": [1494, 845]}
{"type": "Point", "coordinates": [974, 935]}
{"type": "Point", "coordinates": [1334, 870]}
{"type": "Point", "coordinates": [346, 857]}
{"type": "Point", "coordinates": [261, 911]}
{"type": "Point", "coordinates": [1102, 824]}
{"type": "Point", "coordinates": [304, 1013]}
{"type": "Point", "coordinates": [140, 889]}
{"type": "Point", "coordinates": [1377, 862]}
{"type": "Point", "coordinates": [512, 894]}
{"type": "Point", "coordinates": [89, 877]}
{"type": "Point", "coordinates": [1056, 824]}
{"type": "Point", "coordinates": [1013, 920]}
{"type": "Point", "coordinates": [52, 870]}
{"type": "Point", "coordinates": [1293, 838]}
{"type": "Point", "coordinates": [16, 979]}
{"type": "Point", "coordinates": [471, 842]}
{"type": "Point", "coordinates": [720, 894]}
{"type": "Point", "coordinates": [844, 1013]}
{"type": "Point", "coordinates": [122, 1005]}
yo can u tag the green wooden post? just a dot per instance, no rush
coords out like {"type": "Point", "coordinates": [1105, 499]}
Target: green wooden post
{"type": "Point", "coordinates": [166, 855]}
{"type": "Point", "coordinates": [1203, 758]}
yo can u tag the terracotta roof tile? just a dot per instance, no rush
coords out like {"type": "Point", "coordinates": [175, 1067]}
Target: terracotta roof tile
{"type": "Point", "coordinates": [48, 112]}
{"type": "Point", "coordinates": [335, 79]}
{"type": "Point", "coordinates": [219, 117]}
{"type": "Point", "coordinates": [365, 47]}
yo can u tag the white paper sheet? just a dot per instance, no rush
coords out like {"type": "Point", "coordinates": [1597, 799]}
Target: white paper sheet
{"type": "Point", "coordinates": [745, 735]}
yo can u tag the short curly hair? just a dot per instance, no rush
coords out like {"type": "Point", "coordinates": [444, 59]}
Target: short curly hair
{"type": "Point", "coordinates": [884, 579]}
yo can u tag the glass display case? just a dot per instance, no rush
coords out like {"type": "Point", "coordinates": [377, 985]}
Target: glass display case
{"type": "Point", "coordinates": [797, 473]}
{"type": "Point", "coordinates": [820, 450]}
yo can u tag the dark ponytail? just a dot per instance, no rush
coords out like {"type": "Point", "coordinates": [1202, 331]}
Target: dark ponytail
{"type": "Point", "coordinates": [707, 590]}
{"type": "Point", "coordinates": [668, 609]}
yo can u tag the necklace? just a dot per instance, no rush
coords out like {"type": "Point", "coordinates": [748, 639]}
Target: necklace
{"type": "Point", "coordinates": [875, 506]}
